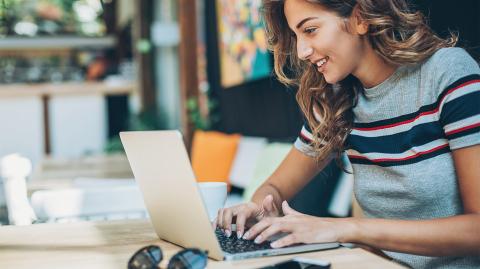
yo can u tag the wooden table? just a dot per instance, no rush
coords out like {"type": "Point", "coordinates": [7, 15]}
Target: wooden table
{"type": "Point", "coordinates": [109, 245]}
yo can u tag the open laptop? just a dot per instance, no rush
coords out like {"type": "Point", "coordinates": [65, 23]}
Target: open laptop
{"type": "Point", "coordinates": [162, 169]}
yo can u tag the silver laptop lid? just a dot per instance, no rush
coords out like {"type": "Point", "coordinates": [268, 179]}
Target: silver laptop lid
{"type": "Point", "coordinates": [161, 167]}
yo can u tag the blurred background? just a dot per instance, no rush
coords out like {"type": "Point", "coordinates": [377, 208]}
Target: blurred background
{"type": "Point", "coordinates": [75, 73]}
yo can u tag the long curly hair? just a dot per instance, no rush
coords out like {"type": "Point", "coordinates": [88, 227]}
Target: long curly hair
{"type": "Point", "coordinates": [398, 35]}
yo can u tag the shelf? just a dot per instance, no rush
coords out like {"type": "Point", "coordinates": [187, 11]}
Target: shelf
{"type": "Point", "coordinates": [55, 42]}
{"type": "Point", "coordinates": [66, 88]}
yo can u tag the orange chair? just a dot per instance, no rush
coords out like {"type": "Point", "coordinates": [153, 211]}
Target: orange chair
{"type": "Point", "coordinates": [213, 154]}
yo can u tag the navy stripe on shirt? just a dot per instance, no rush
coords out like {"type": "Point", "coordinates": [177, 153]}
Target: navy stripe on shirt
{"type": "Point", "coordinates": [420, 135]}
{"type": "Point", "coordinates": [399, 142]}
{"type": "Point", "coordinates": [381, 124]}
{"type": "Point", "coordinates": [403, 161]}
{"type": "Point", "coordinates": [461, 108]}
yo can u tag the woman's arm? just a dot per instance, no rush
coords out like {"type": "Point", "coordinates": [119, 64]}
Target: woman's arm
{"type": "Point", "coordinates": [452, 236]}
{"type": "Point", "coordinates": [457, 235]}
{"type": "Point", "coordinates": [295, 171]}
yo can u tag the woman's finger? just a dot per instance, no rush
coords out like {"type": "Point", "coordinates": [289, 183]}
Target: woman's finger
{"type": "Point", "coordinates": [258, 228]}
{"type": "Point", "coordinates": [267, 204]}
{"type": "Point", "coordinates": [274, 228]}
{"type": "Point", "coordinates": [287, 210]}
{"type": "Point", "coordinates": [214, 223]}
{"type": "Point", "coordinates": [227, 221]}
{"type": "Point", "coordinates": [241, 220]}
{"type": "Point", "coordinates": [285, 241]}
{"type": "Point", "coordinates": [220, 218]}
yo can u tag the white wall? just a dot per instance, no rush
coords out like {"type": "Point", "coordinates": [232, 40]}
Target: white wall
{"type": "Point", "coordinates": [21, 127]}
{"type": "Point", "coordinates": [78, 125]}
{"type": "Point", "coordinates": [21, 130]}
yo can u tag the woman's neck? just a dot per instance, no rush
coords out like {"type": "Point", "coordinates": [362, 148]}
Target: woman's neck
{"type": "Point", "coordinates": [373, 70]}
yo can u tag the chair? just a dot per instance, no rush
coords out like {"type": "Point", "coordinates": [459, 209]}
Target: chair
{"type": "Point", "coordinates": [213, 154]}
{"type": "Point", "coordinates": [314, 199]}
{"type": "Point", "coordinates": [268, 160]}
{"type": "Point", "coordinates": [246, 158]}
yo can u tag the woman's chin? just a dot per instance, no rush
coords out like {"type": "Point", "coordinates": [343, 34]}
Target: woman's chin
{"type": "Point", "coordinates": [330, 79]}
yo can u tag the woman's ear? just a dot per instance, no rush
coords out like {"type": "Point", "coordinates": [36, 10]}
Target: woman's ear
{"type": "Point", "coordinates": [360, 25]}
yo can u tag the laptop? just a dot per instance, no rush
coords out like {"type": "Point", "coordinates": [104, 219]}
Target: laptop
{"type": "Point", "coordinates": [162, 169]}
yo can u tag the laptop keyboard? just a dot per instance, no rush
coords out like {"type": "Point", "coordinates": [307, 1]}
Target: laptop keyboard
{"type": "Point", "coordinates": [233, 244]}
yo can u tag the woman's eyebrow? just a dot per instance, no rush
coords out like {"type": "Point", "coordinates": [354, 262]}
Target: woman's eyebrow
{"type": "Point", "coordinates": [304, 21]}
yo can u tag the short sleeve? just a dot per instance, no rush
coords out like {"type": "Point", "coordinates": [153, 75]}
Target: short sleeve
{"type": "Point", "coordinates": [459, 101]}
{"type": "Point", "coordinates": [304, 141]}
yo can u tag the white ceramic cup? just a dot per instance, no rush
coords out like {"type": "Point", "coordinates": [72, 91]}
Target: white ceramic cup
{"type": "Point", "coordinates": [214, 195]}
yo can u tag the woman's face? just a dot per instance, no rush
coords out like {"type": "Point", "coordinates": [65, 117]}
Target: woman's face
{"type": "Point", "coordinates": [323, 40]}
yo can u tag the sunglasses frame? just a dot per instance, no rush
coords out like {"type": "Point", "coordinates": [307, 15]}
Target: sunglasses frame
{"type": "Point", "coordinates": [177, 256]}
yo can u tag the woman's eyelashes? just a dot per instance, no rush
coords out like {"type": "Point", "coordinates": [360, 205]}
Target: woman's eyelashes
{"type": "Point", "coordinates": [309, 30]}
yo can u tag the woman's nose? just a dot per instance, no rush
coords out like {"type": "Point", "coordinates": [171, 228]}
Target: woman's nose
{"type": "Point", "coordinates": [304, 51]}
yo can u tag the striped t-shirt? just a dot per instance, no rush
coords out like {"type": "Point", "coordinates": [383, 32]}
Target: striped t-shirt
{"type": "Point", "coordinates": [400, 146]}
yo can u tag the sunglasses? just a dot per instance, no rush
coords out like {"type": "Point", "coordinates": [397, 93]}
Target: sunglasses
{"type": "Point", "coordinates": [149, 257]}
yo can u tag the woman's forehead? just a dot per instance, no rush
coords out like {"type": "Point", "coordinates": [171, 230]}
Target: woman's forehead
{"type": "Point", "coordinates": [298, 10]}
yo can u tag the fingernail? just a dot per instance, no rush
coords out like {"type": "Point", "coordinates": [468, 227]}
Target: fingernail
{"type": "Point", "coordinates": [239, 235]}
{"type": "Point", "coordinates": [228, 233]}
{"type": "Point", "coordinates": [274, 244]}
{"type": "Point", "coordinates": [258, 239]}
{"type": "Point", "coordinates": [246, 235]}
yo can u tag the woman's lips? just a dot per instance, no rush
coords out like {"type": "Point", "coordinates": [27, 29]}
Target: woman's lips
{"type": "Point", "coordinates": [321, 64]}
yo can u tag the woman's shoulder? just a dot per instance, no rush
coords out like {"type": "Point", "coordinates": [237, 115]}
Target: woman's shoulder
{"type": "Point", "coordinates": [452, 59]}
{"type": "Point", "coordinates": [449, 65]}
{"type": "Point", "coordinates": [450, 51]}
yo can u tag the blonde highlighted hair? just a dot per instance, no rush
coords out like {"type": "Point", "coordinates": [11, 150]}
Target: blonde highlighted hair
{"type": "Point", "coordinates": [398, 35]}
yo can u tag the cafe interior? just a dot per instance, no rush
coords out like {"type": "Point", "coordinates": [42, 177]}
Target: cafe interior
{"type": "Point", "coordinates": [76, 73]}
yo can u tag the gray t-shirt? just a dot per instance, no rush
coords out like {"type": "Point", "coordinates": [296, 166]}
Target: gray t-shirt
{"type": "Point", "coordinates": [400, 147]}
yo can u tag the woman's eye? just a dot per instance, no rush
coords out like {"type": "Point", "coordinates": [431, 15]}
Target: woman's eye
{"type": "Point", "coordinates": [309, 30]}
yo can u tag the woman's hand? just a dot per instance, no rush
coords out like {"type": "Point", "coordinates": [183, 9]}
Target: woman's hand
{"type": "Point", "coordinates": [244, 214]}
{"type": "Point", "coordinates": [300, 228]}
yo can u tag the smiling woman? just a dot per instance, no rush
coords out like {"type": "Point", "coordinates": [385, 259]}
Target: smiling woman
{"type": "Point", "coordinates": [377, 84]}
{"type": "Point", "coordinates": [347, 36]}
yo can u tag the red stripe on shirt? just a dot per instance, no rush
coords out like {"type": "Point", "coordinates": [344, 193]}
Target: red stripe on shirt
{"type": "Point", "coordinates": [419, 115]}
{"type": "Point", "coordinates": [304, 137]}
{"type": "Point", "coordinates": [401, 159]}
{"type": "Point", "coordinates": [463, 129]}
{"type": "Point", "coordinates": [398, 123]}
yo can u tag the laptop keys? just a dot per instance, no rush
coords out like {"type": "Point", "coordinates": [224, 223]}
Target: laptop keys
{"type": "Point", "coordinates": [233, 244]}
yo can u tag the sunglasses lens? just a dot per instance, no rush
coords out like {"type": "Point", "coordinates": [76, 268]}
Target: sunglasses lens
{"type": "Point", "coordinates": [156, 253]}
{"type": "Point", "coordinates": [146, 258]}
{"type": "Point", "coordinates": [189, 259]}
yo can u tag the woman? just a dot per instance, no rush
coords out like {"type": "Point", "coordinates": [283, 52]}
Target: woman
{"type": "Point", "coordinates": [374, 81]}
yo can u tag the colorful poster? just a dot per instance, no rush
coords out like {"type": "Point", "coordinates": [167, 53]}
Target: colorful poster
{"type": "Point", "coordinates": [242, 41]}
